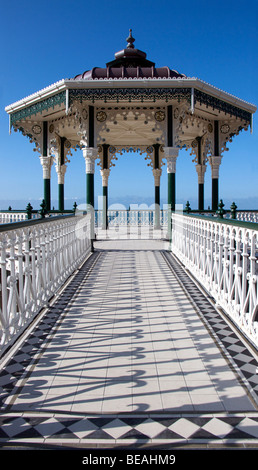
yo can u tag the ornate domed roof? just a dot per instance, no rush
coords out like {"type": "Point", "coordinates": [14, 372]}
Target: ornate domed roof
{"type": "Point", "coordinates": [129, 63]}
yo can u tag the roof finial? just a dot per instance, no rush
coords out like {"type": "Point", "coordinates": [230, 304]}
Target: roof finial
{"type": "Point", "coordinates": [130, 40]}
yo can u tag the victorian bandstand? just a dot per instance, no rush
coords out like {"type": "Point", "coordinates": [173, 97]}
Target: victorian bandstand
{"type": "Point", "coordinates": [137, 342]}
{"type": "Point", "coordinates": [131, 105]}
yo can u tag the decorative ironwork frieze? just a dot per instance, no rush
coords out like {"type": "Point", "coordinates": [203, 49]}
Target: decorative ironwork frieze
{"type": "Point", "coordinates": [130, 94]}
{"type": "Point", "coordinates": [219, 105]}
{"type": "Point", "coordinates": [39, 107]}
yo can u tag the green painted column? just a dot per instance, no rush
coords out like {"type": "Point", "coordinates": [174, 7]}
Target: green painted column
{"type": "Point", "coordinates": [61, 169]}
{"type": "Point", "coordinates": [157, 195]}
{"type": "Point", "coordinates": [157, 174]}
{"type": "Point", "coordinates": [60, 197]}
{"type": "Point", "coordinates": [90, 154]}
{"type": "Point", "coordinates": [46, 164]}
{"type": "Point", "coordinates": [47, 193]}
{"type": "Point", "coordinates": [171, 154]}
{"type": "Point", "coordinates": [172, 191]}
{"type": "Point", "coordinates": [215, 194]}
{"type": "Point", "coordinates": [200, 168]}
{"type": "Point", "coordinates": [215, 162]}
{"type": "Point", "coordinates": [90, 189]}
{"type": "Point", "coordinates": [105, 207]}
{"type": "Point", "coordinates": [105, 171]}
{"type": "Point", "coordinates": [201, 196]}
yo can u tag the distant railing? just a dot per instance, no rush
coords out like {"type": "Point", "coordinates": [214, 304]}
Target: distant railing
{"type": "Point", "coordinates": [223, 256]}
{"type": "Point", "coordinates": [140, 218]}
{"type": "Point", "coordinates": [248, 216]}
{"type": "Point", "coordinates": [14, 216]}
{"type": "Point", "coordinates": [8, 217]}
{"type": "Point", "coordinates": [36, 258]}
{"type": "Point", "coordinates": [133, 218]}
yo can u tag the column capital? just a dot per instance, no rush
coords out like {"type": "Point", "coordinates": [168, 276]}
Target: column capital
{"type": "Point", "coordinates": [201, 169]}
{"type": "Point", "coordinates": [215, 162]}
{"type": "Point", "coordinates": [171, 151]}
{"type": "Point", "coordinates": [157, 174]}
{"type": "Point", "coordinates": [171, 154]}
{"type": "Point", "coordinates": [90, 154]}
{"type": "Point", "coordinates": [105, 175]}
{"type": "Point", "coordinates": [46, 163]}
{"type": "Point", "coordinates": [61, 170]}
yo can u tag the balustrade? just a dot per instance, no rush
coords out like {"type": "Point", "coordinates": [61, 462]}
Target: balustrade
{"type": "Point", "coordinates": [248, 216]}
{"type": "Point", "coordinates": [36, 258]}
{"type": "Point", "coordinates": [7, 217]}
{"type": "Point", "coordinates": [12, 216]}
{"type": "Point", "coordinates": [132, 218]}
{"type": "Point", "coordinates": [223, 256]}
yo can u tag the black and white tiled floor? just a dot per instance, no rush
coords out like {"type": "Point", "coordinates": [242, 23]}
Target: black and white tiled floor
{"type": "Point", "coordinates": [65, 385]}
{"type": "Point", "coordinates": [232, 343]}
{"type": "Point", "coordinates": [129, 429]}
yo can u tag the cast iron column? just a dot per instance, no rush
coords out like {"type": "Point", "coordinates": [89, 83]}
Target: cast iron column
{"type": "Point", "coordinates": [46, 163]}
{"type": "Point", "coordinates": [215, 162]}
{"type": "Point", "coordinates": [171, 154]}
{"type": "Point", "coordinates": [105, 174]}
{"type": "Point", "coordinates": [157, 174]}
{"type": "Point", "coordinates": [61, 169]}
{"type": "Point", "coordinates": [200, 168]}
{"type": "Point", "coordinates": [90, 154]}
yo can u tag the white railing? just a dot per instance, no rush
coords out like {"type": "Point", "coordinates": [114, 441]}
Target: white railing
{"type": "Point", "coordinates": [223, 256]}
{"type": "Point", "coordinates": [132, 224]}
{"type": "Point", "coordinates": [133, 218]}
{"type": "Point", "coordinates": [36, 258]}
{"type": "Point", "coordinates": [13, 217]}
{"type": "Point", "coordinates": [248, 216]}
{"type": "Point", "coordinates": [10, 217]}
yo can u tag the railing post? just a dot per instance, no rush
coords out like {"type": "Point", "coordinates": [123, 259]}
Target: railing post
{"type": "Point", "coordinates": [233, 209]}
{"type": "Point", "coordinates": [4, 313]}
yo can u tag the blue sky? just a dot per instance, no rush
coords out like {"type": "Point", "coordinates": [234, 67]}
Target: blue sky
{"type": "Point", "coordinates": [43, 42]}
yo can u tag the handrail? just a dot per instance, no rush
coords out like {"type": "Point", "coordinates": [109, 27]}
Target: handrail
{"type": "Point", "coordinates": [239, 223]}
{"type": "Point", "coordinates": [29, 223]}
{"type": "Point", "coordinates": [222, 255]}
{"type": "Point", "coordinates": [36, 259]}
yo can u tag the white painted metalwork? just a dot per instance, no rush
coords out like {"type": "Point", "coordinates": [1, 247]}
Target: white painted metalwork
{"type": "Point", "coordinates": [133, 218]}
{"type": "Point", "coordinates": [9, 217]}
{"type": "Point", "coordinates": [35, 261]}
{"type": "Point", "coordinates": [223, 256]}
{"type": "Point", "coordinates": [12, 217]}
{"type": "Point", "coordinates": [248, 216]}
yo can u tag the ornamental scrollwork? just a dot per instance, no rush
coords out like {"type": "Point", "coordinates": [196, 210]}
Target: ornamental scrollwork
{"type": "Point", "coordinates": [228, 130]}
{"type": "Point", "coordinates": [109, 120]}
{"type": "Point", "coordinates": [28, 129]}
{"type": "Point", "coordinates": [121, 149]}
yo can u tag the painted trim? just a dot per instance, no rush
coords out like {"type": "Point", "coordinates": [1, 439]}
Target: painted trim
{"type": "Point", "coordinates": [70, 84]}
{"type": "Point", "coordinates": [170, 135]}
{"type": "Point", "coordinates": [238, 223]}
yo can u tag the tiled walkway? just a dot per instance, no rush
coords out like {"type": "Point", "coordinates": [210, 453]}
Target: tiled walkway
{"type": "Point", "coordinates": [131, 352]}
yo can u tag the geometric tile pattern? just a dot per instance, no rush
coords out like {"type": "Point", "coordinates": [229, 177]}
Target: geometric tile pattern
{"type": "Point", "coordinates": [110, 430]}
{"type": "Point", "coordinates": [234, 348]}
{"type": "Point", "coordinates": [15, 368]}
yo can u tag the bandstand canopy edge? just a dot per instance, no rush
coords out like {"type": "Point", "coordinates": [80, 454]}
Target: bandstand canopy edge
{"type": "Point", "coordinates": [130, 98]}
